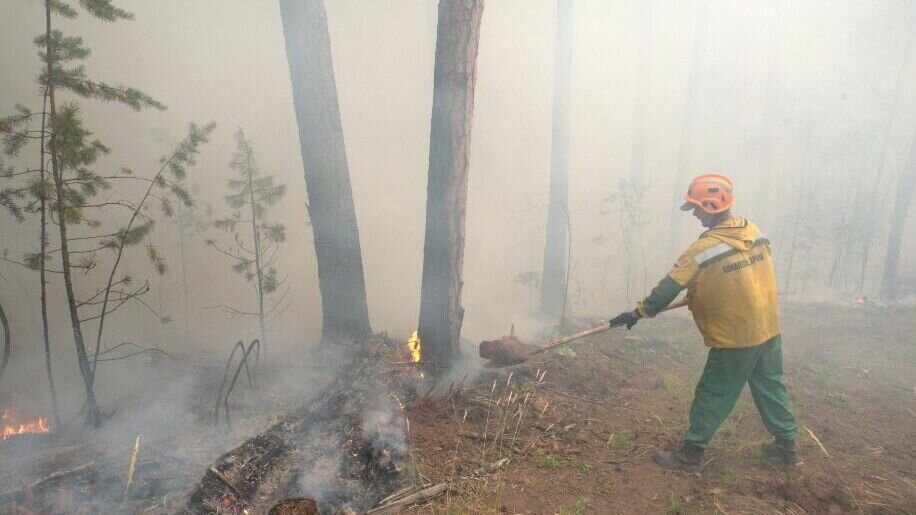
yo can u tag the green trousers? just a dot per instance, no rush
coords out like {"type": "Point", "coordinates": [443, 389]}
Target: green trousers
{"type": "Point", "coordinates": [726, 372]}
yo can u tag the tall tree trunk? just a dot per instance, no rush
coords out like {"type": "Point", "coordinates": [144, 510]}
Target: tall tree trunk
{"type": "Point", "coordinates": [643, 74]}
{"type": "Point", "coordinates": [454, 77]}
{"type": "Point", "coordinates": [763, 194]}
{"type": "Point", "coordinates": [553, 275]}
{"type": "Point", "coordinates": [637, 164]}
{"type": "Point", "coordinates": [92, 410]}
{"type": "Point", "coordinates": [906, 185]}
{"type": "Point", "coordinates": [688, 122]}
{"type": "Point", "coordinates": [876, 190]}
{"type": "Point", "coordinates": [345, 314]}
{"type": "Point", "coordinates": [42, 260]}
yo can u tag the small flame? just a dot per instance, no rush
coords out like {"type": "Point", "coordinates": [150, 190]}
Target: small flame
{"type": "Point", "coordinates": [12, 428]}
{"type": "Point", "coordinates": [414, 346]}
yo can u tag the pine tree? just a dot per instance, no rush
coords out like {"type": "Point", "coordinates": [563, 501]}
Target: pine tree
{"type": "Point", "coordinates": [252, 195]}
{"type": "Point", "coordinates": [68, 196]}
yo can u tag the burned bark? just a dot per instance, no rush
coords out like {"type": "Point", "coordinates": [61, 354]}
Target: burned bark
{"type": "Point", "coordinates": [554, 273]}
{"type": "Point", "coordinates": [455, 74]}
{"type": "Point", "coordinates": [906, 185]}
{"type": "Point", "coordinates": [345, 314]}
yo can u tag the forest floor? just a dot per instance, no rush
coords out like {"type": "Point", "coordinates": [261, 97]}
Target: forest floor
{"type": "Point", "coordinates": [571, 433]}
{"type": "Point", "coordinates": [579, 437]}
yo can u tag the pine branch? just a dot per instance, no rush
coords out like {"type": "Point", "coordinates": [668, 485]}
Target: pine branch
{"type": "Point", "coordinates": [231, 310]}
{"type": "Point", "coordinates": [135, 295]}
{"type": "Point", "coordinates": [105, 11]}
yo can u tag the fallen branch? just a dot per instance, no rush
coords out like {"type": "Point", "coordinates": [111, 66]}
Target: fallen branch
{"type": "Point", "coordinates": [818, 442]}
{"type": "Point", "coordinates": [224, 480]}
{"type": "Point", "coordinates": [471, 435]}
{"type": "Point", "coordinates": [421, 496]}
{"type": "Point", "coordinates": [491, 468]}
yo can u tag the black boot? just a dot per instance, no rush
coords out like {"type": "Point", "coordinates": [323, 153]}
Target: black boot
{"type": "Point", "coordinates": [688, 459]}
{"type": "Point", "coordinates": [781, 451]}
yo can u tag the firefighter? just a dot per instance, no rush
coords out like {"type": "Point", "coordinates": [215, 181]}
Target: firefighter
{"type": "Point", "coordinates": [731, 288]}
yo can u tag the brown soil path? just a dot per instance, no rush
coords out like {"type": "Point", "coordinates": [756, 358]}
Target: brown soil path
{"type": "Point", "coordinates": [579, 438]}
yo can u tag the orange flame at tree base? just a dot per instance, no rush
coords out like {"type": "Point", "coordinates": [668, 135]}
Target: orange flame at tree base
{"type": "Point", "coordinates": [11, 427]}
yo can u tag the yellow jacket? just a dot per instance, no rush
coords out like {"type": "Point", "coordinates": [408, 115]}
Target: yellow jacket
{"type": "Point", "coordinates": [731, 286]}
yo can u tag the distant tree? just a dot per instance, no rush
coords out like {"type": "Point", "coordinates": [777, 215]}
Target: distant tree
{"type": "Point", "coordinates": [688, 122]}
{"type": "Point", "coordinates": [872, 220]}
{"type": "Point", "coordinates": [454, 78]}
{"type": "Point", "coordinates": [906, 186]}
{"type": "Point", "coordinates": [555, 269]}
{"type": "Point", "coordinates": [345, 313]}
{"type": "Point", "coordinates": [633, 218]}
{"type": "Point", "coordinates": [190, 222]}
{"type": "Point", "coordinates": [68, 197]}
{"type": "Point", "coordinates": [254, 254]}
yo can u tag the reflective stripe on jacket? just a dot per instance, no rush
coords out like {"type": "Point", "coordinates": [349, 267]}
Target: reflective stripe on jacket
{"type": "Point", "coordinates": [728, 273]}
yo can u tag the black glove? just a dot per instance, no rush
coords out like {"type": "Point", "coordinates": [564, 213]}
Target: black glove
{"type": "Point", "coordinates": [627, 318]}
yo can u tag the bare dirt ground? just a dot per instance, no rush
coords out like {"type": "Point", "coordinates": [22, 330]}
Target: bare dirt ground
{"type": "Point", "coordinates": [578, 430]}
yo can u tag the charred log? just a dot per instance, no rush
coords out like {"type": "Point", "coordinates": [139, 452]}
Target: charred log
{"type": "Point", "coordinates": [347, 448]}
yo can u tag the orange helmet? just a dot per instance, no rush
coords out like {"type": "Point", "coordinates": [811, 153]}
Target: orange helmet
{"type": "Point", "coordinates": [713, 193]}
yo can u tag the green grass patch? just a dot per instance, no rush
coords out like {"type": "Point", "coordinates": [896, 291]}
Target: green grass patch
{"type": "Point", "coordinates": [620, 441]}
{"type": "Point", "coordinates": [678, 390]}
{"type": "Point", "coordinates": [674, 506]}
{"type": "Point", "coordinates": [547, 460]}
{"type": "Point", "coordinates": [729, 478]}
{"type": "Point", "coordinates": [579, 509]}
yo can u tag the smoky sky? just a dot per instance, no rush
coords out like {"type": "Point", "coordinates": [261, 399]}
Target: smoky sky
{"type": "Point", "coordinates": [813, 81]}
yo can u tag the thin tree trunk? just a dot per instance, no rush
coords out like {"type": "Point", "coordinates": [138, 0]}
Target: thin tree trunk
{"type": "Point", "coordinates": [345, 313]}
{"type": "Point", "coordinates": [553, 275]}
{"type": "Point", "coordinates": [92, 410]}
{"type": "Point", "coordinates": [688, 122]}
{"type": "Point", "coordinates": [797, 217]}
{"type": "Point", "coordinates": [42, 259]}
{"type": "Point", "coordinates": [255, 233]}
{"type": "Point", "coordinates": [839, 255]}
{"type": "Point", "coordinates": [7, 342]}
{"type": "Point", "coordinates": [795, 230]}
{"type": "Point", "coordinates": [873, 204]}
{"type": "Point", "coordinates": [454, 78]}
{"type": "Point", "coordinates": [184, 272]}
{"type": "Point", "coordinates": [120, 254]}
{"type": "Point", "coordinates": [906, 185]}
